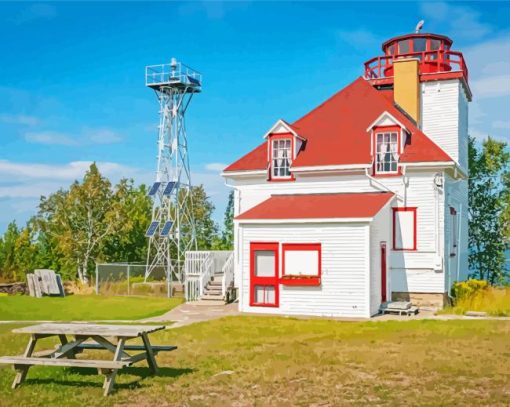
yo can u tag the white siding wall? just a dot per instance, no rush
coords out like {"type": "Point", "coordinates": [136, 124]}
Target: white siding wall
{"type": "Point", "coordinates": [380, 231]}
{"type": "Point", "coordinates": [418, 191]}
{"type": "Point", "coordinates": [345, 267]}
{"type": "Point", "coordinates": [444, 113]}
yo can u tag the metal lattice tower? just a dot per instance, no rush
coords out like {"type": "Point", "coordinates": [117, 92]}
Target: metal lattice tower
{"type": "Point", "coordinates": [172, 230]}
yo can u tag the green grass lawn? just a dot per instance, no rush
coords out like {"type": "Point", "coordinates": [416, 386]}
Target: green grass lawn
{"type": "Point", "coordinates": [83, 308]}
{"type": "Point", "coordinates": [284, 361]}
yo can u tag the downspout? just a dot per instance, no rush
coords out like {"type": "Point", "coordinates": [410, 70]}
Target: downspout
{"type": "Point", "coordinates": [399, 197]}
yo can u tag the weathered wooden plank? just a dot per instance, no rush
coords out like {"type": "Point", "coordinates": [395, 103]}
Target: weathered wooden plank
{"type": "Point", "coordinates": [151, 360]}
{"type": "Point", "coordinates": [31, 361]}
{"type": "Point", "coordinates": [109, 380]}
{"type": "Point", "coordinates": [23, 370]}
{"type": "Point", "coordinates": [127, 331]}
{"type": "Point", "coordinates": [40, 278]}
{"type": "Point", "coordinates": [155, 348]}
{"type": "Point", "coordinates": [105, 344]}
{"type": "Point", "coordinates": [60, 285]}
{"type": "Point", "coordinates": [67, 349]}
{"type": "Point", "coordinates": [30, 284]}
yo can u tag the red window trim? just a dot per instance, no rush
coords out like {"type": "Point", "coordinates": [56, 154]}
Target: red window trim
{"type": "Point", "coordinates": [287, 279]}
{"type": "Point", "coordinates": [264, 281]}
{"type": "Point", "coordinates": [415, 223]}
{"type": "Point", "coordinates": [385, 129]}
{"type": "Point", "coordinates": [280, 136]}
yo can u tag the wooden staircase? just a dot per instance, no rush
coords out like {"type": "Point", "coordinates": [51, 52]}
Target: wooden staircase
{"type": "Point", "coordinates": [213, 293]}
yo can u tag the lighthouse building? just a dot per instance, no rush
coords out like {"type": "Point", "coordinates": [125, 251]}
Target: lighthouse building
{"type": "Point", "coordinates": [363, 200]}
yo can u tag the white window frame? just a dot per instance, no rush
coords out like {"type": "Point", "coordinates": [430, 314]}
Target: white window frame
{"type": "Point", "coordinates": [275, 169]}
{"type": "Point", "coordinates": [394, 152]}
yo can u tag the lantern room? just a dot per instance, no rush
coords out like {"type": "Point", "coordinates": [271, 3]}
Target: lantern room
{"type": "Point", "coordinates": [433, 51]}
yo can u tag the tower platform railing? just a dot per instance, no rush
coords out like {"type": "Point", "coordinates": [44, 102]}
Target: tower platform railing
{"type": "Point", "coordinates": [439, 61]}
{"type": "Point", "coordinates": [174, 74]}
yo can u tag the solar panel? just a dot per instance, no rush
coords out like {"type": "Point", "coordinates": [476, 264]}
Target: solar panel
{"type": "Point", "coordinates": [193, 81]}
{"type": "Point", "coordinates": [166, 229]}
{"type": "Point", "coordinates": [154, 188]}
{"type": "Point", "coordinates": [152, 228]}
{"type": "Point", "coordinates": [169, 187]}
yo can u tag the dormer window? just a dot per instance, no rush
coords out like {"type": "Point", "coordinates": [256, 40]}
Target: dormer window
{"type": "Point", "coordinates": [283, 145]}
{"type": "Point", "coordinates": [281, 157]}
{"type": "Point", "coordinates": [387, 152]}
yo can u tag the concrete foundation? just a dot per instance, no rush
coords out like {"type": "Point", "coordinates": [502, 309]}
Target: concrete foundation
{"type": "Point", "coordinates": [436, 300]}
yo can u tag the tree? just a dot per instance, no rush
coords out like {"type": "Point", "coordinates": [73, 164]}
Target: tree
{"type": "Point", "coordinates": [227, 235]}
{"type": "Point", "coordinates": [8, 251]}
{"type": "Point", "coordinates": [488, 209]}
{"type": "Point", "coordinates": [80, 219]}
{"type": "Point", "coordinates": [130, 243]}
{"type": "Point", "coordinates": [205, 227]}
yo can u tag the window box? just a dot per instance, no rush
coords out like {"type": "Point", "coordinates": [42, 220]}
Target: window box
{"type": "Point", "coordinates": [301, 264]}
{"type": "Point", "coordinates": [300, 280]}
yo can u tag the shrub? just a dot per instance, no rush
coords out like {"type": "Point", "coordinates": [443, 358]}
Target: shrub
{"type": "Point", "coordinates": [464, 290]}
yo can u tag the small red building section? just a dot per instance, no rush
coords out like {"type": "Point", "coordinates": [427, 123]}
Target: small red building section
{"type": "Point", "coordinates": [318, 206]}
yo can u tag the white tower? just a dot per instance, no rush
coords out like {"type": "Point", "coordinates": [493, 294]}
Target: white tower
{"type": "Point", "coordinates": [172, 230]}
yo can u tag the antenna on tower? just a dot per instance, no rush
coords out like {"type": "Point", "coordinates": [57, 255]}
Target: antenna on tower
{"type": "Point", "coordinates": [172, 230]}
{"type": "Point", "coordinates": [419, 26]}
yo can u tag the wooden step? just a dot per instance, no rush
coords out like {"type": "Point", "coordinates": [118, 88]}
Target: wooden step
{"type": "Point", "coordinates": [208, 297]}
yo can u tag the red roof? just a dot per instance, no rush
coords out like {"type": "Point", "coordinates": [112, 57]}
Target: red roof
{"type": "Point", "coordinates": [336, 132]}
{"type": "Point", "coordinates": [318, 206]}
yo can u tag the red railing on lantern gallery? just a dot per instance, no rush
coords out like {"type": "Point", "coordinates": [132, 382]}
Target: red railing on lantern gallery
{"type": "Point", "coordinates": [439, 61]}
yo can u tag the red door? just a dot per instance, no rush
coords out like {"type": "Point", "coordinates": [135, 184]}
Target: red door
{"type": "Point", "coordinates": [383, 272]}
{"type": "Point", "coordinates": [264, 289]}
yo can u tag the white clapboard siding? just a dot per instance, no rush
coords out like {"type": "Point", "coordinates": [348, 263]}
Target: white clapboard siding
{"type": "Point", "coordinates": [444, 115]}
{"type": "Point", "coordinates": [345, 268]}
{"type": "Point", "coordinates": [380, 231]}
{"type": "Point", "coordinates": [418, 281]}
{"type": "Point", "coordinates": [418, 192]}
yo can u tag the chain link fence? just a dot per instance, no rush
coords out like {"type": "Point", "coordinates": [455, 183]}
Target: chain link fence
{"type": "Point", "coordinates": [129, 279]}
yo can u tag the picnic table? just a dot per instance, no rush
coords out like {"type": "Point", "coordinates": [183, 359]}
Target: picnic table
{"type": "Point", "coordinates": [77, 337]}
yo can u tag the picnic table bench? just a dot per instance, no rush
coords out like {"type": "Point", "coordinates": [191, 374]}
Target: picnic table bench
{"type": "Point", "coordinates": [87, 336]}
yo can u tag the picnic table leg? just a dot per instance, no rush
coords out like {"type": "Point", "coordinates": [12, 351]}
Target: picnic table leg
{"type": "Point", "coordinates": [109, 380]}
{"type": "Point", "coordinates": [64, 341]}
{"type": "Point", "coordinates": [22, 370]}
{"type": "Point", "coordinates": [151, 360]}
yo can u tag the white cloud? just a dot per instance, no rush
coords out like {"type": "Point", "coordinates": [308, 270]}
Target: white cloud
{"type": "Point", "coordinates": [50, 137]}
{"type": "Point", "coordinates": [10, 170]}
{"type": "Point", "coordinates": [461, 21]}
{"type": "Point", "coordinates": [36, 11]}
{"type": "Point", "coordinates": [501, 124]}
{"type": "Point", "coordinates": [20, 119]}
{"type": "Point", "coordinates": [492, 86]}
{"type": "Point", "coordinates": [359, 38]}
{"type": "Point", "coordinates": [101, 136]}
{"type": "Point", "coordinates": [86, 137]}
{"type": "Point", "coordinates": [215, 167]}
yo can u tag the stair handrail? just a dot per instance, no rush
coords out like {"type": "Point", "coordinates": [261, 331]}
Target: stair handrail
{"type": "Point", "coordinates": [206, 272]}
{"type": "Point", "coordinates": [228, 275]}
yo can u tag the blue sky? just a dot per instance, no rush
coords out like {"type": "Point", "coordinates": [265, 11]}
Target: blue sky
{"type": "Point", "coordinates": [72, 79]}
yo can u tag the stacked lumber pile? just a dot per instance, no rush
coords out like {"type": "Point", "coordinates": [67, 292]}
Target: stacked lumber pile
{"type": "Point", "coordinates": [13, 288]}
{"type": "Point", "coordinates": [45, 282]}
